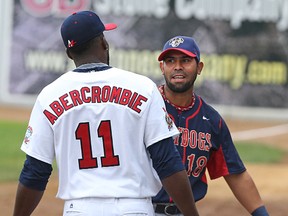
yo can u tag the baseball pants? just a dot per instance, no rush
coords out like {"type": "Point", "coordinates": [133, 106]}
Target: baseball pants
{"type": "Point", "coordinates": [108, 207]}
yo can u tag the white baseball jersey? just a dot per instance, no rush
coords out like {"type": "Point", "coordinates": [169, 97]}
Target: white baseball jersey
{"type": "Point", "coordinates": [98, 125]}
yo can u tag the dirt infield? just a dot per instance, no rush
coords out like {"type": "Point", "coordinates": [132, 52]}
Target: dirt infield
{"type": "Point", "coordinates": [271, 180]}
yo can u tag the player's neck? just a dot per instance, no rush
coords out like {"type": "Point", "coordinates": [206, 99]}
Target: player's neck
{"type": "Point", "coordinates": [183, 99]}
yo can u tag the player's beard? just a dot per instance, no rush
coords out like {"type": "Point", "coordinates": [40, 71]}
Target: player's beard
{"type": "Point", "coordinates": [180, 88]}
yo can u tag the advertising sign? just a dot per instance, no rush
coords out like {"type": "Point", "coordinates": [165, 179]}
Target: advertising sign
{"type": "Point", "coordinates": [244, 45]}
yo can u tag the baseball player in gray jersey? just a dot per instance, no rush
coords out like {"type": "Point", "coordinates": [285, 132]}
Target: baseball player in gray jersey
{"type": "Point", "coordinates": [109, 132]}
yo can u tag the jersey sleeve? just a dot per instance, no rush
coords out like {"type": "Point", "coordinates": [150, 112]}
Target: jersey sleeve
{"type": "Point", "coordinates": [159, 125]}
{"type": "Point", "coordinates": [166, 158]}
{"type": "Point", "coordinates": [38, 141]}
{"type": "Point", "coordinates": [224, 160]}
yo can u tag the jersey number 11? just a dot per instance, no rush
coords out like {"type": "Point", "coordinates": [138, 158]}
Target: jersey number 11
{"type": "Point", "coordinates": [87, 161]}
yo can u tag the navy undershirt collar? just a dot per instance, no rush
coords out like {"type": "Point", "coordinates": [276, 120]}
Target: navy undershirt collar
{"type": "Point", "coordinates": [92, 67]}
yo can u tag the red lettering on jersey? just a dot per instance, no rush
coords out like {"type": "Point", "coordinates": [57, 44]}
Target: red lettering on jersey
{"type": "Point", "coordinates": [208, 139]}
{"type": "Point", "coordinates": [64, 102]}
{"type": "Point", "coordinates": [201, 141]}
{"type": "Point", "coordinates": [75, 97]}
{"type": "Point", "coordinates": [57, 108]}
{"type": "Point", "coordinates": [176, 140]}
{"type": "Point", "coordinates": [95, 94]}
{"type": "Point", "coordinates": [184, 137]}
{"type": "Point", "coordinates": [52, 118]}
{"type": "Point", "coordinates": [126, 94]}
{"type": "Point", "coordinates": [132, 99]}
{"type": "Point", "coordinates": [105, 93]}
{"type": "Point", "coordinates": [138, 102]}
{"type": "Point", "coordinates": [115, 95]}
{"type": "Point", "coordinates": [193, 139]}
{"type": "Point", "coordinates": [85, 99]}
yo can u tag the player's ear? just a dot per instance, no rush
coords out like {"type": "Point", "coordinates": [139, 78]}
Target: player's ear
{"type": "Point", "coordinates": [200, 66]}
{"type": "Point", "coordinates": [161, 65]}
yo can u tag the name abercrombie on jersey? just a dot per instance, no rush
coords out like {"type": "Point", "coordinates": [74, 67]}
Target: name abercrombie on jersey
{"type": "Point", "coordinates": [97, 124]}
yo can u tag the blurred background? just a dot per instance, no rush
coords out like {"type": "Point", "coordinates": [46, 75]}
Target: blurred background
{"type": "Point", "coordinates": [244, 47]}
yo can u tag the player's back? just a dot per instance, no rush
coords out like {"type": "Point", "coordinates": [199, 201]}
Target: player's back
{"type": "Point", "coordinates": [100, 121]}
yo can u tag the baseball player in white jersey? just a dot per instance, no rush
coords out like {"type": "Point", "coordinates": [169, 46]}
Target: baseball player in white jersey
{"type": "Point", "coordinates": [106, 129]}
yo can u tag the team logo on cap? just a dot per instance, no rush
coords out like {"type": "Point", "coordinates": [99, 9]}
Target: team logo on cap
{"type": "Point", "coordinates": [71, 43]}
{"type": "Point", "coordinates": [175, 42]}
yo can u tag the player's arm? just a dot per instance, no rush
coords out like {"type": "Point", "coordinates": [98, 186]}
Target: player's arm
{"type": "Point", "coordinates": [240, 183]}
{"type": "Point", "coordinates": [26, 200]}
{"type": "Point", "coordinates": [167, 163]}
{"type": "Point", "coordinates": [244, 189]}
{"type": "Point", "coordinates": [32, 183]}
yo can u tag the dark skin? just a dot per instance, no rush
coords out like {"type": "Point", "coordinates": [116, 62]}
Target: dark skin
{"type": "Point", "coordinates": [185, 203]}
{"type": "Point", "coordinates": [27, 199]}
{"type": "Point", "coordinates": [97, 51]}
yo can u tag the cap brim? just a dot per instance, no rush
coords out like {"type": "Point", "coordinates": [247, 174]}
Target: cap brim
{"type": "Point", "coordinates": [164, 53]}
{"type": "Point", "coordinates": [110, 26]}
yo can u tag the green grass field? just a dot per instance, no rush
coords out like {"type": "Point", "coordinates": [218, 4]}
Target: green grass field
{"type": "Point", "coordinates": [259, 153]}
{"type": "Point", "coordinates": [12, 158]}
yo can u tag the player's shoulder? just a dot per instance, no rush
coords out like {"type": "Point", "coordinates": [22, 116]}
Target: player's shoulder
{"type": "Point", "coordinates": [211, 115]}
{"type": "Point", "coordinates": [207, 106]}
{"type": "Point", "coordinates": [208, 110]}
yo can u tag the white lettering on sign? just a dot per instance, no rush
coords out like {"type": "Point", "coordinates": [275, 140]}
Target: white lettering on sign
{"type": "Point", "coordinates": [234, 11]}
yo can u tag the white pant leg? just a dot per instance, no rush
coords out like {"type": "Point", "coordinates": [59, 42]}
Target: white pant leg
{"type": "Point", "coordinates": [108, 207]}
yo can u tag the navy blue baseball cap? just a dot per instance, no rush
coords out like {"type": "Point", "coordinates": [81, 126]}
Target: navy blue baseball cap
{"type": "Point", "coordinates": [80, 27]}
{"type": "Point", "coordinates": [186, 45]}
